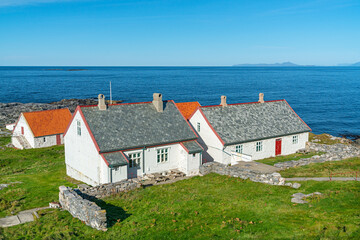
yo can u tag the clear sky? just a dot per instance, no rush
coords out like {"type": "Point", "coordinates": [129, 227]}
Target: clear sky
{"type": "Point", "coordinates": [178, 32]}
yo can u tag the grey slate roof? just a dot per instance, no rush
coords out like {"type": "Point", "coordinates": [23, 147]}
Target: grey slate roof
{"type": "Point", "coordinates": [129, 126]}
{"type": "Point", "coordinates": [193, 147]}
{"type": "Point", "coordinates": [255, 121]}
{"type": "Point", "coordinates": [115, 159]}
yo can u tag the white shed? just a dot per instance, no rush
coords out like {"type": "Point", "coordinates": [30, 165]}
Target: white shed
{"type": "Point", "coordinates": [110, 143]}
{"type": "Point", "coordinates": [248, 131]}
{"type": "Point", "coordinates": [40, 128]}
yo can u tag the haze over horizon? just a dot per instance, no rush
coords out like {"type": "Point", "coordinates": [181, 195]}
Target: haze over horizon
{"type": "Point", "coordinates": [178, 33]}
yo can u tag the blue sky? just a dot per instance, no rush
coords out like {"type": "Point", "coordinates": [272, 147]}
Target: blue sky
{"type": "Point", "coordinates": [178, 32]}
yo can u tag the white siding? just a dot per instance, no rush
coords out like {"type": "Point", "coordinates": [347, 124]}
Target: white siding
{"type": "Point", "coordinates": [287, 147]}
{"type": "Point", "coordinates": [82, 159]}
{"type": "Point", "coordinates": [207, 139]}
{"type": "Point", "coordinates": [28, 134]}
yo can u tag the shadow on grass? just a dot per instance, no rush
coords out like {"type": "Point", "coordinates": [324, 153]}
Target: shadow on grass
{"type": "Point", "coordinates": [114, 214]}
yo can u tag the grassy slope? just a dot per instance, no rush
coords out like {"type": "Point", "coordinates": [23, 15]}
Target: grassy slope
{"type": "Point", "coordinates": [214, 207]}
{"type": "Point", "coordinates": [296, 156]}
{"type": "Point", "coordinates": [209, 207]}
{"type": "Point", "coordinates": [41, 172]}
{"type": "Point", "coordinates": [348, 166]}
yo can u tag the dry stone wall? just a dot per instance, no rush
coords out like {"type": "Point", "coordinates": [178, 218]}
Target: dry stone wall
{"type": "Point", "coordinates": [234, 171]}
{"type": "Point", "coordinates": [83, 209]}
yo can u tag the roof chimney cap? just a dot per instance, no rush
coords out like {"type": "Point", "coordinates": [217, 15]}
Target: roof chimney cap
{"type": "Point", "coordinates": [261, 98]}
{"type": "Point", "coordinates": [158, 102]}
{"type": "Point", "coordinates": [101, 102]}
{"type": "Point", "coordinates": [223, 101]}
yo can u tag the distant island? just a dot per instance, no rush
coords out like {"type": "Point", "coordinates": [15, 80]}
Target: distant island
{"type": "Point", "coordinates": [284, 64]}
{"type": "Point", "coordinates": [290, 64]}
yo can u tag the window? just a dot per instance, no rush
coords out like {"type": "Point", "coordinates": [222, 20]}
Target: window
{"type": "Point", "coordinates": [162, 155]}
{"type": "Point", "coordinates": [198, 127]}
{"type": "Point", "coordinates": [134, 159]}
{"type": "Point", "coordinates": [44, 139]}
{"type": "Point", "coordinates": [259, 146]}
{"type": "Point", "coordinates": [239, 148]}
{"type": "Point", "coordinates": [78, 124]}
{"type": "Point", "coordinates": [295, 139]}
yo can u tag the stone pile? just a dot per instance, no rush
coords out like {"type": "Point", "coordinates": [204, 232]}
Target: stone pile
{"type": "Point", "coordinates": [109, 189]}
{"type": "Point", "coordinates": [301, 198]}
{"type": "Point", "coordinates": [83, 209]}
{"type": "Point", "coordinates": [235, 171]}
{"type": "Point", "coordinates": [336, 152]}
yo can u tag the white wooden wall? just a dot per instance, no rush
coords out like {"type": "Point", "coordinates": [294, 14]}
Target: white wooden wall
{"type": "Point", "coordinates": [207, 139]}
{"type": "Point", "coordinates": [27, 131]}
{"type": "Point", "coordinates": [83, 162]}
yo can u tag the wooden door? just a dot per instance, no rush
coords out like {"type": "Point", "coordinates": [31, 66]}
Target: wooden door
{"type": "Point", "coordinates": [278, 146]}
{"type": "Point", "coordinates": [58, 139]}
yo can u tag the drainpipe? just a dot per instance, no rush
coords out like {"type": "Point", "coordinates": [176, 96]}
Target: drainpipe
{"type": "Point", "coordinates": [110, 174]}
{"type": "Point", "coordinates": [144, 148]}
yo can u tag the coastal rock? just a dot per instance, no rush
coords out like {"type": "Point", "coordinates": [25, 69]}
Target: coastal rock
{"type": "Point", "coordinates": [335, 152]}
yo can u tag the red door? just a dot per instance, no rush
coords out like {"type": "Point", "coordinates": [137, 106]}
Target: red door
{"type": "Point", "coordinates": [58, 139]}
{"type": "Point", "coordinates": [278, 146]}
{"type": "Point", "coordinates": [22, 130]}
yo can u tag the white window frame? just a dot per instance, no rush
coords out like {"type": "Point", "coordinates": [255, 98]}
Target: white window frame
{"type": "Point", "coordinates": [78, 127]}
{"type": "Point", "coordinates": [259, 146]}
{"type": "Point", "coordinates": [162, 155]}
{"type": "Point", "coordinates": [239, 148]}
{"type": "Point", "coordinates": [295, 139]}
{"type": "Point", "coordinates": [198, 127]}
{"type": "Point", "coordinates": [135, 159]}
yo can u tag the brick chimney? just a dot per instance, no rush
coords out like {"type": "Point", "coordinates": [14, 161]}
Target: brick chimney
{"type": "Point", "coordinates": [261, 98]}
{"type": "Point", "coordinates": [223, 101]}
{"type": "Point", "coordinates": [158, 102]}
{"type": "Point", "coordinates": [101, 102]}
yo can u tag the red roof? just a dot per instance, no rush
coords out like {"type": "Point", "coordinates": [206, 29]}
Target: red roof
{"type": "Point", "coordinates": [187, 108]}
{"type": "Point", "coordinates": [49, 122]}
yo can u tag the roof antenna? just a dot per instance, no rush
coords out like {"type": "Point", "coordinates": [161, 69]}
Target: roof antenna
{"type": "Point", "coordinates": [110, 94]}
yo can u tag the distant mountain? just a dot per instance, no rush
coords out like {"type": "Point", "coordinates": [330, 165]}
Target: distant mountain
{"type": "Point", "coordinates": [349, 64]}
{"type": "Point", "coordinates": [284, 64]}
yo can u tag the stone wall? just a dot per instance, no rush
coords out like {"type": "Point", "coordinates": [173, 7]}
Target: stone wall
{"type": "Point", "coordinates": [336, 152]}
{"type": "Point", "coordinates": [106, 190]}
{"type": "Point", "coordinates": [83, 209]}
{"type": "Point", "coordinates": [235, 171]}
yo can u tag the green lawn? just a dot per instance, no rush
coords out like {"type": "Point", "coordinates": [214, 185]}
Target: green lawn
{"type": "Point", "coordinates": [36, 175]}
{"type": "Point", "coordinates": [208, 207]}
{"type": "Point", "coordinates": [348, 166]}
{"type": "Point", "coordinates": [296, 156]}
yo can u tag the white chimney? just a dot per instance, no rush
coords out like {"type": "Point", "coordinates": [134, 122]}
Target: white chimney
{"type": "Point", "coordinates": [158, 102]}
{"type": "Point", "coordinates": [223, 101]}
{"type": "Point", "coordinates": [101, 102]}
{"type": "Point", "coordinates": [261, 98]}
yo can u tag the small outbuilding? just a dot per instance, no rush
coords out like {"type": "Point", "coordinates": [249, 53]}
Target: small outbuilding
{"type": "Point", "coordinates": [248, 131]}
{"type": "Point", "coordinates": [40, 128]}
{"type": "Point", "coordinates": [110, 143]}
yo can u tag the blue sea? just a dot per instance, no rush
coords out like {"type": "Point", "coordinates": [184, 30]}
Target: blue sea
{"type": "Point", "coordinates": [326, 98]}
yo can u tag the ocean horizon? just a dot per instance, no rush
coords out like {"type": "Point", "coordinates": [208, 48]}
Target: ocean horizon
{"type": "Point", "coordinates": [325, 97]}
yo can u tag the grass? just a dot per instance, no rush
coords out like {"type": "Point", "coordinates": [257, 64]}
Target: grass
{"type": "Point", "coordinates": [209, 207]}
{"type": "Point", "coordinates": [324, 139]}
{"type": "Point", "coordinates": [348, 166]}
{"type": "Point", "coordinates": [296, 156]}
{"type": "Point", "coordinates": [35, 175]}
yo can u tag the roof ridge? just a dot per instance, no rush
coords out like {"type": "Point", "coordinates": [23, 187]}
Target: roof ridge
{"type": "Point", "coordinates": [234, 104]}
{"type": "Point", "coordinates": [47, 110]}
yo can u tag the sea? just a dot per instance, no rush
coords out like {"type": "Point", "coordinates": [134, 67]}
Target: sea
{"type": "Point", "coordinates": [326, 98]}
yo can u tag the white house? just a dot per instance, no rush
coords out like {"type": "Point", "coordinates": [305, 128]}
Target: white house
{"type": "Point", "coordinates": [248, 131]}
{"type": "Point", "coordinates": [110, 143]}
{"type": "Point", "coordinates": [40, 128]}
